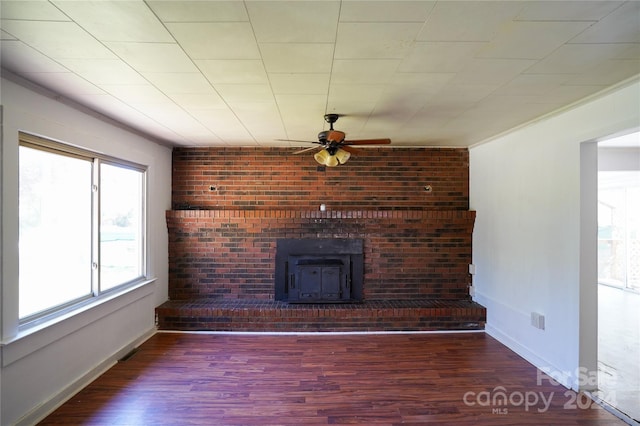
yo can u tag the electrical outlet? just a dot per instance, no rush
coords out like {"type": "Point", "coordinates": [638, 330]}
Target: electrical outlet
{"type": "Point", "coordinates": [537, 320]}
{"type": "Point", "coordinates": [472, 269]}
{"type": "Point", "coordinates": [472, 291]}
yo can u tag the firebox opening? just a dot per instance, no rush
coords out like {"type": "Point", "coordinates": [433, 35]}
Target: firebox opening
{"type": "Point", "coordinates": [319, 270]}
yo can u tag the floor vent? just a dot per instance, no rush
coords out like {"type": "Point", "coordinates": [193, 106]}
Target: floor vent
{"type": "Point", "coordinates": [129, 355]}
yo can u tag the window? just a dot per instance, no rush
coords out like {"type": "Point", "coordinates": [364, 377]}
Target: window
{"type": "Point", "coordinates": [82, 225]}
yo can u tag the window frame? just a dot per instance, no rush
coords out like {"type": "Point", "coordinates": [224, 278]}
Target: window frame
{"type": "Point", "coordinates": [96, 159]}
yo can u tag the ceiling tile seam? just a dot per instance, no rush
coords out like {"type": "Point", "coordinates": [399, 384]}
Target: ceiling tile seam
{"type": "Point", "coordinates": [601, 43]}
{"type": "Point", "coordinates": [264, 68]}
{"type": "Point", "coordinates": [557, 111]}
{"type": "Point", "coordinates": [424, 24]}
{"type": "Point", "coordinates": [55, 60]}
{"type": "Point", "coordinates": [152, 11]}
{"type": "Point", "coordinates": [89, 110]}
{"type": "Point", "coordinates": [598, 21]}
{"type": "Point", "coordinates": [595, 21]}
{"type": "Point", "coordinates": [141, 111]}
{"type": "Point", "coordinates": [333, 61]}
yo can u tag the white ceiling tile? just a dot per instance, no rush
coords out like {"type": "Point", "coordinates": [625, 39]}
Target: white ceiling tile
{"type": "Point", "coordinates": [627, 51]}
{"type": "Point", "coordinates": [118, 110]}
{"type": "Point", "coordinates": [202, 137]}
{"type": "Point", "coordinates": [31, 10]}
{"type": "Point", "coordinates": [153, 57]}
{"type": "Point", "coordinates": [385, 11]}
{"type": "Point", "coordinates": [297, 57]}
{"type": "Point", "coordinates": [375, 40]}
{"type": "Point", "coordinates": [302, 83]}
{"type": "Point", "coordinates": [293, 21]}
{"type": "Point", "coordinates": [534, 84]}
{"type": "Point", "coordinates": [309, 106]}
{"type": "Point", "coordinates": [20, 58]}
{"type": "Point", "coordinates": [136, 94]}
{"type": "Point", "coordinates": [467, 20]}
{"type": "Point", "coordinates": [6, 36]}
{"type": "Point", "coordinates": [621, 26]}
{"type": "Point", "coordinates": [439, 57]}
{"type": "Point", "coordinates": [481, 71]}
{"type": "Point", "coordinates": [363, 71]}
{"type": "Point", "coordinates": [168, 113]}
{"type": "Point", "coordinates": [568, 93]}
{"type": "Point", "coordinates": [461, 95]}
{"type": "Point", "coordinates": [531, 40]}
{"type": "Point", "coordinates": [186, 126]}
{"type": "Point", "coordinates": [576, 58]}
{"type": "Point", "coordinates": [421, 82]}
{"type": "Point", "coordinates": [361, 92]}
{"type": "Point", "coordinates": [302, 115]}
{"type": "Point", "coordinates": [197, 101]}
{"type": "Point", "coordinates": [68, 84]}
{"type": "Point", "coordinates": [607, 73]}
{"type": "Point", "coordinates": [116, 20]}
{"type": "Point", "coordinates": [232, 93]}
{"type": "Point", "coordinates": [399, 104]}
{"type": "Point", "coordinates": [353, 107]}
{"type": "Point", "coordinates": [57, 39]}
{"type": "Point", "coordinates": [437, 113]}
{"type": "Point", "coordinates": [571, 10]}
{"type": "Point", "coordinates": [262, 120]}
{"type": "Point", "coordinates": [233, 71]}
{"type": "Point", "coordinates": [104, 71]}
{"type": "Point", "coordinates": [224, 123]}
{"type": "Point", "coordinates": [172, 83]}
{"type": "Point", "coordinates": [220, 40]}
{"type": "Point", "coordinates": [353, 100]}
{"type": "Point", "coordinates": [199, 11]}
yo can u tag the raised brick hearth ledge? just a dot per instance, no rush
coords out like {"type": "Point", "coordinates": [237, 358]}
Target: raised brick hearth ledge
{"type": "Point", "coordinates": [275, 316]}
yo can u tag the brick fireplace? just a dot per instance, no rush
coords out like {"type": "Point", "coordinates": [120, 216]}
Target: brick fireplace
{"type": "Point", "coordinates": [407, 207]}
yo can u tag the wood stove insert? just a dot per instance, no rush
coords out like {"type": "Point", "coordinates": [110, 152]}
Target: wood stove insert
{"type": "Point", "coordinates": [319, 270]}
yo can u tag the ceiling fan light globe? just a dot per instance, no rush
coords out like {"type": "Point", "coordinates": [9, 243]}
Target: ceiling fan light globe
{"type": "Point", "coordinates": [332, 161]}
{"type": "Point", "coordinates": [342, 156]}
{"type": "Point", "coordinates": [322, 156]}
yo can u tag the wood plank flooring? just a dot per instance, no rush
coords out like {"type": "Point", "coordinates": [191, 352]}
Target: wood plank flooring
{"type": "Point", "coordinates": [222, 379]}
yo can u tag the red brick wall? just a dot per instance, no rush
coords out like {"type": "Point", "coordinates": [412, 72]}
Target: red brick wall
{"type": "Point", "coordinates": [222, 242]}
{"type": "Point", "coordinates": [256, 178]}
{"type": "Point", "coordinates": [231, 254]}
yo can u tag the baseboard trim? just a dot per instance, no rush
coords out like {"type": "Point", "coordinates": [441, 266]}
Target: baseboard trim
{"type": "Point", "coordinates": [40, 412]}
{"type": "Point", "coordinates": [317, 333]}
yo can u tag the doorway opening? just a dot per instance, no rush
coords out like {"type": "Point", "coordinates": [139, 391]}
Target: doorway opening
{"type": "Point", "coordinates": [619, 273]}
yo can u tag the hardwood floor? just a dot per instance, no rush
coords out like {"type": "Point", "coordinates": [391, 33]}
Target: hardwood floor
{"type": "Point", "coordinates": [222, 379]}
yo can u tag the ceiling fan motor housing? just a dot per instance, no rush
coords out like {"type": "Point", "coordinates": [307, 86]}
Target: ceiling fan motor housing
{"type": "Point", "coordinates": [335, 136]}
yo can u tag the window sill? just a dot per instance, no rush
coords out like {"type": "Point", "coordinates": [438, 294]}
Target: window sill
{"type": "Point", "coordinates": [35, 335]}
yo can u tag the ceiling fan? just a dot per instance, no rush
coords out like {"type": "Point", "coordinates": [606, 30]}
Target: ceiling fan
{"type": "Point", "coordinates": [335, 149]}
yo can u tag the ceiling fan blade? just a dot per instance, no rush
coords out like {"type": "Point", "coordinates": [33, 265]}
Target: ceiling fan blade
{"type": "Point", "coordinates": [297, 140]}
{"type": "Point", "coordinates": [368, 142]}
{"type": "Point", "coordinates": [349, 149]}
{"type": "Point", "coordinates": [306, 150]}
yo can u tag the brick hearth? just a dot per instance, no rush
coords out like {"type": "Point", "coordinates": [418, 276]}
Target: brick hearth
{"type": "Point", "coordinates": [380, 315]}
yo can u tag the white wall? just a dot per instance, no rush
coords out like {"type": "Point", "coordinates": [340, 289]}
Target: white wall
{"type": "Point", "coordinates": [40, 369]}
{"type": "Point", "coordinates": [527, 241]}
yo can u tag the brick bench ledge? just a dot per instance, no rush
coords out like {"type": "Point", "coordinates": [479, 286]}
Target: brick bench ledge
{"type": "Point", "coordinates": [270, 315]}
